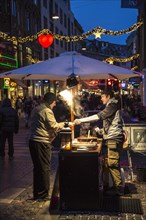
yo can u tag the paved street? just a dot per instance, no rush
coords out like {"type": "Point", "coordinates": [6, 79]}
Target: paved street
{"type": "Point", "coordinates": [16, 188]}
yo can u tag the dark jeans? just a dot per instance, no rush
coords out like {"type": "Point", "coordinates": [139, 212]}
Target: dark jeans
{"type": "Point", "coordinates": [6, 136]}
{"type": "Point", "coordinates": [41, 158]}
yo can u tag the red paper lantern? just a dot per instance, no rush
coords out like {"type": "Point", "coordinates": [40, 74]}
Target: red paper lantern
{"type": "Point", "coordinates": [45, 40]}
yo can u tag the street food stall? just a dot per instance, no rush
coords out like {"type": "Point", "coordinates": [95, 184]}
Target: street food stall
{"type": "Point", "coordinates": [78, 172]}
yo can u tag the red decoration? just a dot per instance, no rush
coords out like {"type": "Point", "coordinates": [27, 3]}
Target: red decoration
{"type": "Point", "coordinates": [92, 83]}
{"type": "Point", "coordinates": [45, 40]}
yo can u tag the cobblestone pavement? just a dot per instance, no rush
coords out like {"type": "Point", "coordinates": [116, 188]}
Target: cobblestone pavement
{"type": "Point", "coordinates": [17, 174]}
{"type": "Point", "coordinates": [21, 208]}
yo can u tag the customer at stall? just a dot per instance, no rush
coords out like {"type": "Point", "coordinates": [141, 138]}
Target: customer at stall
{"type": "Point", "coordinates": [43, 129]}
{"type": "Point", "coordinates": [112, 136]}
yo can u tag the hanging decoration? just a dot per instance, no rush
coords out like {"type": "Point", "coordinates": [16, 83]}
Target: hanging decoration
{"type": "Point", "coordinates": [33, 60]}
{"type": "Point", "coordinates": [111, 60]}
{"type": "Point", "coordinates": [97, 34]}
{"type": "Point", "coordinates": [134, 68]}
{"type": "Point", "coordinates": [45, 40]}
{"type": "Point", "coordinates": [92, 83]}
{"type": "Point", "coordinates": [97, 31]}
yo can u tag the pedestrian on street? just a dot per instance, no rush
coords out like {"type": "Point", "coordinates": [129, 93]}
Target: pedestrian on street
{"type": "Point", "coordinates": [9, 124]}
{"type": "Point", "coordinates": [18, 105]}
{"type": "Point", "coordinates": [112, 137]}
{"type": "Point", "coordinates": [43, 130]}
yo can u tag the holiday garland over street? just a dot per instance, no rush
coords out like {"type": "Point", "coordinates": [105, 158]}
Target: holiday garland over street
{"type": "Point", "coordinates": [97, 31]}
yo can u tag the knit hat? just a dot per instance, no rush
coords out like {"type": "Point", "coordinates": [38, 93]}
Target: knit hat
{"type": "Point", "coordinates": [49, 97]}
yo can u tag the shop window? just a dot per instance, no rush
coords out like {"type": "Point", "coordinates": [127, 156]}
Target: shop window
{"type": "Point", "coordinates": [14, 7]}
{"type": "Point", "coordinates": [45, 3]}
{"type": "Point", "coordinates": [61, 16]}
{"type": "Point", "coordinates": [65, 21]}
{"type": "Point", "coordinates": [35, 2]}
{"type": "Point", "coordinates": [45, 22]}
{"type": "Point", "coordinates": [28, 22]}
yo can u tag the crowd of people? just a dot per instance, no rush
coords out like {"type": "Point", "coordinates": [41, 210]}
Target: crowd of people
{"type": "Point", "coordinates": [84, 105]}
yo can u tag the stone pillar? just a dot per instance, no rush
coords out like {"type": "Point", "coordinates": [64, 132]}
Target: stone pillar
{"type": "Point", "coordinates": [144, 87]}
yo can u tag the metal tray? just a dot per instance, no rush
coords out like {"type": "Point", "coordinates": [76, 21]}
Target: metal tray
{"type": "Point", "coordinates": [84, 144]}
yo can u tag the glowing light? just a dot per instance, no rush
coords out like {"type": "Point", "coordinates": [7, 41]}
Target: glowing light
{"type": "Point", "coordinates": [45, 40]}
{"type": "Point", "coordinates": [6, 83]}
{"type": "Point", "coordinates": [111, 60]}
{"type": "Point", "coordinates": [97, 34]}
{"type": "Point", "coordinates": [123, 85]}
{"type": "Point", "coordinates": [67, 96]}
{"type": "Point", "coordinates": [8, 61]}
{"type": "Point", "coordinates": [55, 17]}
{"type": "Point", "coordinates": [71, 38]}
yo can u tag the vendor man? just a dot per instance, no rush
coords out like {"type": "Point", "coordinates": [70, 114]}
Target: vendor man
{"type": "Point", "coordinates": [112, 135]}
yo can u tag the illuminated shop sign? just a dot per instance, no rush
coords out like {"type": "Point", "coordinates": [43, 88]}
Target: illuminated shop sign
{"type": "Point", "coordinates": [6, 83]}
{"type": "Point", "coordinates": [13, 84]}
{"type": "Point", "coordinates": [8, 61]}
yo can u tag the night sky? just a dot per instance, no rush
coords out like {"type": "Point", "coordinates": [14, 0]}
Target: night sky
{"type": "Point", "coordinates": [107, 14]}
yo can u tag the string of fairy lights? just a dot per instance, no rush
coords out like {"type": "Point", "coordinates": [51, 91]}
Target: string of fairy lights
{"type": "Point", "coordinates": [134, 68]}
{"type": "Point", "coordinates": [111, 60]}
{"type": "Point", "coordinates": [97, 31]}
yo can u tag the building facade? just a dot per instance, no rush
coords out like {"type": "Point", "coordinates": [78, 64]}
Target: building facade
{"type": "Point", "coordinates": [26, 19]}
{"type": "Point", "coordinates": [142, 35]}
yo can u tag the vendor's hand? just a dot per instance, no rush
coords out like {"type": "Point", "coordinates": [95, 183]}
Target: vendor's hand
{"type": "Point", "coordinates": [98, 130]}
{"type": "Point", "coordinates": [70, 124]}
{"type": "Point", "coordinates": [77, 122]}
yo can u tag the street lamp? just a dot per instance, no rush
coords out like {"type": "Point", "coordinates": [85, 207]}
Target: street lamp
{"type": "Point", "coordinates": [55, 17]}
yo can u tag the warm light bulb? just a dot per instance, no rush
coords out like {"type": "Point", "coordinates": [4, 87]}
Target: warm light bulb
{"type": "Point", "coordinates": [67, 96]}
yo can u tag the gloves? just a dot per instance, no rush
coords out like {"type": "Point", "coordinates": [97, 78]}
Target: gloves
{"type": "Point", "coordinates": [68, 124]}
{"type": "Point", "coordinates": [86, 119]}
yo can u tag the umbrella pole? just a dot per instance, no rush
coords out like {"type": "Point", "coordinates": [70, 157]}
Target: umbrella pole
{"type": "Point", "coordinates": [72, 111]}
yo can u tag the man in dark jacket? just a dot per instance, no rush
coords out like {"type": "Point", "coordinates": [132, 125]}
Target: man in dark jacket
{"type": "Point", "coordinates": [9, 124]}
{"type": "Point", "coordinates": [112, 135]}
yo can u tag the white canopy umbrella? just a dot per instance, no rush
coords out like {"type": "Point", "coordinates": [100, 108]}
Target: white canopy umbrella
{"type": "Point", "coordinates": [61, 67]}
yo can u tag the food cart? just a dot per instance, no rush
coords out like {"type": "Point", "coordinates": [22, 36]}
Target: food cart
{"type": "Point", "coordinates": [78, 172]}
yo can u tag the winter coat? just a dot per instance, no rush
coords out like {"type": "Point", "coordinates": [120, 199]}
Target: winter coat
{"type": "Point", "coordinates": [112, 121]}
{"type": "Point", "coordinates": [43, 125]}
{"type": "Point", "coordinates": [9, 121]}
